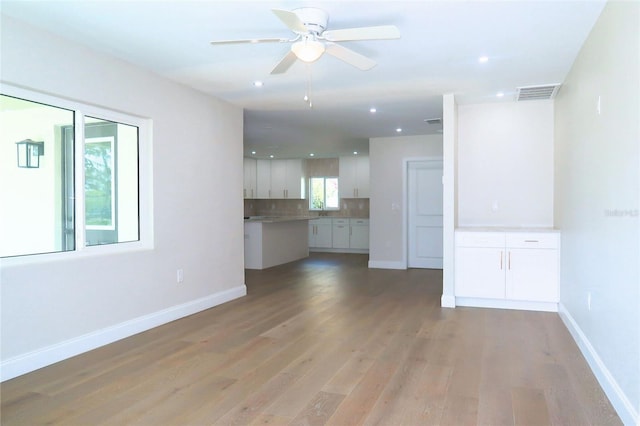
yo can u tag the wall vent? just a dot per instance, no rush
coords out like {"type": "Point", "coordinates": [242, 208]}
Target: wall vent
{"type": "Point", "coordinates": [534, 93]}
{"type": "Point", "coordinates": [433, 121]}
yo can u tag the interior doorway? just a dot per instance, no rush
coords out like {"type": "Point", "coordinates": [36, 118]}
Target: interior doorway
{"type": "Point", "coordinates": [424, 213]}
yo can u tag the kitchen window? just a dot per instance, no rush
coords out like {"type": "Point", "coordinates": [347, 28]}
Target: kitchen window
{"type": "Point", "coordinates": [323, 193]}
{"type": "Point", "coordinates": [82, 186]}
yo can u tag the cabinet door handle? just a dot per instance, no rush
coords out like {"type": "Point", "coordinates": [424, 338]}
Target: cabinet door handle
{"type": "Point", "coordinates": [350, 230]}
{"type": "Point", "coordinates": [509, 260]}
{"type": "Point", "coordinates": [501, 260]}
{"type": "Point", "coordinates": [531, 241]}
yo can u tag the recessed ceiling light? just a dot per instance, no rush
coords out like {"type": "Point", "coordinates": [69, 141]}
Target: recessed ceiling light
{"type": "Point", "coordinates": [355, 152]}
{"type": "Point", "coordinates": [500, 94]}
{"type": "Point", "coordinates": [253, 153]}
{"type": "Point", "coordinates": [258, 83]}
{"type": "Point", "coordinates": [399, 130]}
{"type": "Point", "coordinates": [271, 156]}
{"type": "Point", "coordinates": [311, 155]}
{"type": "Point", "coordinates": [372, 110]}
{"type": "Point", "coordinates": [483, 59]}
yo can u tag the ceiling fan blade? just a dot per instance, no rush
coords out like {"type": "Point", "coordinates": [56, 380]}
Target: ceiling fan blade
{"type": "Point", "coordinates": [285, 63]}
{"type": "Point", "coordinates": [350, 57]}
{"type": "Point", "coordinates": [251, 40]}
{"type": "Point", "coordinates": [291, 20]}
{"type": "Point", "coordinates": [384, 32]}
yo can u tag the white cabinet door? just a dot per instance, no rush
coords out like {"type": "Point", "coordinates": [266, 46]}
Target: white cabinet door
{"type": "Point", "coordinates": [250, 178]}
{"type": "Point", "coordinates": [323, 235]}
{"type": "Point", "coordinates": [340, 234]}
{"type": "Point", "coordinates": [532, 274]}
{"type": "Point", "coordinates": [278, 178]}
{"type": "Point", "coordinates": [359, 238]}
{"type": "Point", "coordinates": [354, 177]}
{"type": "Point", "coordinates": [362, 177]}
{"type": "Point", "coordinates": [480, 272]}
{"type": "Point", "coordinates": [263, 173]}
{"type": "Point", "coordinates": [320, 231]}
{"type": "Point", "coordinates": [294, 179]}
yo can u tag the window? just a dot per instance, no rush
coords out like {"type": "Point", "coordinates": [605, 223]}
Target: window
{"type": "Point", "coordinates": [323, 193]}
{"type": "Point", "coordinates": [80, 186]}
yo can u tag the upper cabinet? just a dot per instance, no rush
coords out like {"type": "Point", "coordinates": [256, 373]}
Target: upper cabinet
{"type": "Point", "coordinates": [280, 179]}
{"type": "Point", "coordinates": [250, 178]}
{"type": "Point", "coordinates": [354, 177]}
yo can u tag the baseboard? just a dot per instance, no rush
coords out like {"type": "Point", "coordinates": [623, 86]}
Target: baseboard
{"type": "Point", "coordinates": [448, 301]}
{"type": "Point", "coordinates": [22, 364]}
{"type": "Point", "coordinates": [382, 264]}
{"type": "Point", "coordinates": [628, 414]}
{"type": "Point", "coordinates": [337, 250]}
{"type": "Point", "coordinates": [522, 305]}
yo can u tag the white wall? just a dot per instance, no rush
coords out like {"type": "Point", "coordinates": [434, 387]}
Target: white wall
{"type": "Point", "coordinates": [51, 309]}
{"type": "Point", "coordinates": [598, 172]}
{"type": "Point", "coordinates": [505, 164]}
{"type": "Point", "coordinates": [386, 156]}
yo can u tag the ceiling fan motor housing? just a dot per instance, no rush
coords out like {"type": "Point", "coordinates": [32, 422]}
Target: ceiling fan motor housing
{"type": "Point", "coordinates": [314, 19]}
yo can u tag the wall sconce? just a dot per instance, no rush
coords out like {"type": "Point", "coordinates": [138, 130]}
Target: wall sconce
{"type": "Point", "coordinates": [29, 153]}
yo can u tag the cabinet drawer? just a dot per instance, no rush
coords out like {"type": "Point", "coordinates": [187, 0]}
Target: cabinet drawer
{"type": "Point", "coordinates": [321, 221]}
{"type": "Point", "coordinates": [340, 221]}
{"type": "Point", "coordinates": [353, 222]}
{"type": "Point", "coordinates": [539, 240]}
{"type": "Point", "coordinates": [480, 239]}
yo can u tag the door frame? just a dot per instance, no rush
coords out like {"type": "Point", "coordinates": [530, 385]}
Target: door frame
{"type": "Point", "coordinates": [405, 202]}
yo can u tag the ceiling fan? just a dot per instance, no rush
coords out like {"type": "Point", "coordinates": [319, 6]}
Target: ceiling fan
{"type": "Point", "coordinates": [311, 40]}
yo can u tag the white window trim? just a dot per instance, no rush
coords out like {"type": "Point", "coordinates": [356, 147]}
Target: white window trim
{"type": "Point", "coordinates": [324, 209]}
{"type": "Point", "coordinates": [145, 179]}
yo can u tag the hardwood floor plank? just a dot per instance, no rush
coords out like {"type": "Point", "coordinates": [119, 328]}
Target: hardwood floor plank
{"type": "Point", "coordinates": [318, 410]}
{"type": "Point", "coordinates": [529, 406]}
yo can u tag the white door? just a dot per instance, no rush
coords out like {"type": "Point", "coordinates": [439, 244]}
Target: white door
{"type": "Point", "coordinates": [425, 214]}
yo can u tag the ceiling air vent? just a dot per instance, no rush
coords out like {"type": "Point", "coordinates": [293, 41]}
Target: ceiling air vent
{"type": "Point", "coordinates": [433, 121]}
{"type": "Point", "coordinates": [535, 93]}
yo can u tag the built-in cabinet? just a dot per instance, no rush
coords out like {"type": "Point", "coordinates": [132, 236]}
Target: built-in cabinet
{"type": "Point", "coordinates": [280, 179]}
{"type": "Point", "coordinates": [250, 178]}
{"type": "Point", "coordinates": [320, 233]}
{"type": "Point", "coordinates": [354, 176]}
{"type": "Point", "coordinates": [339, 234]}
{"type": "Point", "coordinates": [520, 268]}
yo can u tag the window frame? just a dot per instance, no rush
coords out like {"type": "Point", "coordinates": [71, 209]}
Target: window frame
{"type": "Point", "coordinates": [145, 178]}
{"type": "Point", "coordinates": [324, 208]}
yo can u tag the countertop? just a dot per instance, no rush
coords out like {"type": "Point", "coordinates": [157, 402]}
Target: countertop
{"type": "Point", "coordinates": [274, 219]}
{"type": "Point", "coordinates": [505, 229]}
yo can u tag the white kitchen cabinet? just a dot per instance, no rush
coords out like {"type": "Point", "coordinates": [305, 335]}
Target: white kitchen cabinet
{"type": "Point", "coordinates": [359, 233]}
{"type": "Point", "coordinates": [340, 234]}
{"type": "Point", "coordinates": [263, 176]}
{"type": "Point", "coordinates": [354, 177]}
{"type": "Point", "coordinates": [250, 178]}
{"type": "Point", "coordinates": [320, 233]}
{"type": "Point", "coordinates": [519, 268]}
{"type": "Point", "coordinates": [281, 179]}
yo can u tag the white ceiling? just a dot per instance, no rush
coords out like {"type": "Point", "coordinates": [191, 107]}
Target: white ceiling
{"type": "Point", "coordinates": [527, 43]}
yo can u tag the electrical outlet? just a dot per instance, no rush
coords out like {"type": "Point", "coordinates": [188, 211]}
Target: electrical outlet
{"type": "Point", "coordinates": [179, 275]}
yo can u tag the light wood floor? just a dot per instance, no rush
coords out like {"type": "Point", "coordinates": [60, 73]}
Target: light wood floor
{"type": "Point", "coordinates": [325, 341]}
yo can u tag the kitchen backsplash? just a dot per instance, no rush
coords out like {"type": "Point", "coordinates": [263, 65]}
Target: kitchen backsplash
{"type": "Point", "coordinates": [349, 207]}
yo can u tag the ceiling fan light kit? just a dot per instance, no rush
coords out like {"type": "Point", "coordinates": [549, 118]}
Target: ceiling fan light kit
{"type": "Point", "coordinates": [308, 50]}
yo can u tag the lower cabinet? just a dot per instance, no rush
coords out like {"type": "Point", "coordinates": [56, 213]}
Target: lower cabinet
{"type": "Point", "coordinates": [518, 267]}
{"type": "Point", "coordinates": [339, 234]}
{"type": "Point", "coordinates": [320, 233]}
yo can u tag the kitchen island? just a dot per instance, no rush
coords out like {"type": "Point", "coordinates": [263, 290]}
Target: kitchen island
{"type": "Point", "coordinates": [271, 241]}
